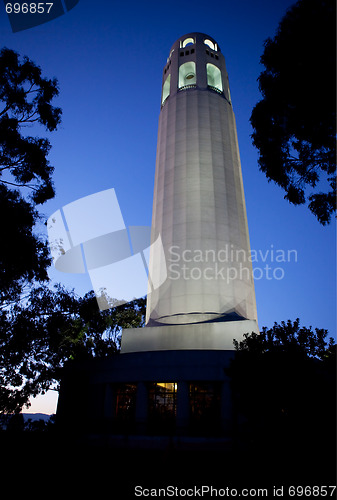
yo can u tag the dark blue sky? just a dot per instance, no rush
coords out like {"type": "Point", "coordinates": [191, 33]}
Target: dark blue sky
{"type": "Point", "coordinates": [108, 57]}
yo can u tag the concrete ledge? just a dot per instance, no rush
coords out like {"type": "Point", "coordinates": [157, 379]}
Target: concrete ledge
{"type": "Point", "coordinates": [203, 336]}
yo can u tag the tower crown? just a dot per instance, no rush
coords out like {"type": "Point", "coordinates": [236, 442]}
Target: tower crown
{"type": "Point", "coordinates": [195, 62]}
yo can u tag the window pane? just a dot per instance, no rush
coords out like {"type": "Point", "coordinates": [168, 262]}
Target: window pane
{"type": "Point", "coordinates": [188, 41]}
{"type": "Point", "coordinates": [162, 405]}
{"type": "Point", "coordinates": [187, 75]}
{"type": "Point", "coordinates": [214, 77]}
{"type": "Point", "coordinates": [210, 44]}
{"type": "Point", "coordinates": [205, 407]}
{"type": "Point", "coordinates": [166, 89]}
{"type": "Point", "coordinates": [126, 403]}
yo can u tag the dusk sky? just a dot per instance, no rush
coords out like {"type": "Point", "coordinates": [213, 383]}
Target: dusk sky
{"type": "Point", "coordinates": [108, 57]}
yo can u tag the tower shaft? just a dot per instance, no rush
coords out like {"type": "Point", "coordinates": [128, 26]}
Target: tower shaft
{"type": "Point", "coordinates": [199, 208]}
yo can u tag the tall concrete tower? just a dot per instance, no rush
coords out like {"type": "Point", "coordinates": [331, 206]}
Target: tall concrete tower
{"type": "Point", "coordinates": [200, 269]}
{"type": "Point", "coordinates": [172, 374]}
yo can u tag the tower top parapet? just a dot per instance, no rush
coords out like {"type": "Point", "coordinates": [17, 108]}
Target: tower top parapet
{"type": "Point", "coordinates": [195, 39]}
{"type": "Point", "coordinates": [195, 62]}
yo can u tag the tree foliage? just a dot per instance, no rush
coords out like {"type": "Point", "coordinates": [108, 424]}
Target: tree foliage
{"type": "Point", "coordinates": [38, 335]}
{"type": "Point", "coordinates": [290, 338]}
{"type": "Point", "coordinates": [26, 99]}
{"type": "Point", "coordinates": [25, 172]}
{"type": "Point", "coordinates": [40, 327]}
{"type": "Point", "coordinates": [24, 256]}
{"type": "Point", "coordinates": [284, 385]}
{"type": "Point", "coordinates": [294, 125]}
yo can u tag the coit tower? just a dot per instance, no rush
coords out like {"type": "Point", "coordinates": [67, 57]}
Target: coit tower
{"type": "Point", "coordinates": [172, 374]}
{"type": "Point", "coordinates": [201, 271]}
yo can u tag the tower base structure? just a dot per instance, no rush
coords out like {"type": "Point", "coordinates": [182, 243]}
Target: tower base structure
{"type": "Point", "coordinates": [170, 382]}
{"type": "Point", "coordinates": [207, 336]}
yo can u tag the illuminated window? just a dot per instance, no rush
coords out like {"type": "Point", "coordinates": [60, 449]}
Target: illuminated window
{"type": "Point", "coordinates": [166, 89]}
{"type": "Point", "coordinates": [214, 79]}
{"type": "Point", "coordinates": [211, 45]}
{"type": "Point", "coordinates": [187, 75]}
{"type": "Point", "coordinates": [187, 41]}
{"type": "Point", "coordinates": [162, 404]}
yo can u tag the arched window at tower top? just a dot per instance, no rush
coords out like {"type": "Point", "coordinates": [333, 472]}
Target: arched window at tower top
{"type": "Point", "coordinates": [187, 41]}
{"type": "Point", "coordinates": [187, 75]}
{"type": "Point", "coordinates": [214, 79]}
{"type": "Point", "coordinates": [210, 44]}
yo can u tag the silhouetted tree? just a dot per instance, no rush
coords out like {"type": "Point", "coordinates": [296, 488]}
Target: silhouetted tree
{"type": "Point", "coordinates": [294, 125]}
{"type": "Point", "coordinates": [41, 328]}
{"type": "Point", "coordinates": [284, 386]}
{"type": "Point", "coordinates": [25, 172]}
{"type": "Point", "coordinates": [16, 423]}
{"type": "Point", "coordinates": [49, 327]}
{"type": "Point", "coordinates": [40, 425]}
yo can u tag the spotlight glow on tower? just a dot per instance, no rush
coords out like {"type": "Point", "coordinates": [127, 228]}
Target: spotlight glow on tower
{"type": "Point", "coordinates": [206, 295]}
{"type": "Point", "coordinates": [199, 207]}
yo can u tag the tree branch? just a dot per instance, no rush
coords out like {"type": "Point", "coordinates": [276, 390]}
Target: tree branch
{"type": "Point", "coordinates": [5, 110]}
{"type": "Point", "coordinates": [28, 118]}
{"type": "Point", "coordinates": [19, 185]}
